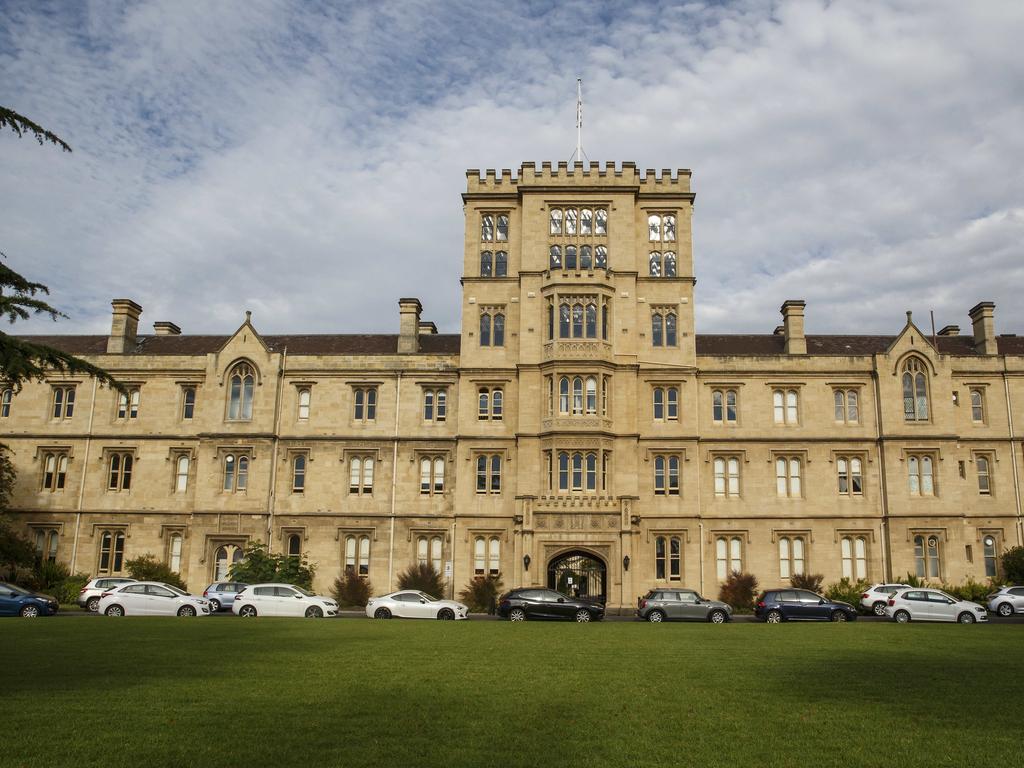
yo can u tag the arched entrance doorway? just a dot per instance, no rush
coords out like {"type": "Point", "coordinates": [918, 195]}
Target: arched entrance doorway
{"type": "Point", "coordinates": [578, 574]}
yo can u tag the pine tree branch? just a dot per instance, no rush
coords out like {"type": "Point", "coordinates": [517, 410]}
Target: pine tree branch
{"type": "Point", "coordinates": [23, 361]}
{"type": "Point", "coordinates": [22, 125]}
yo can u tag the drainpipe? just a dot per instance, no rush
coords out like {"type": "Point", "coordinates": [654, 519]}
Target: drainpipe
{"type": "Point", "coordinates": [883, 487]}
{"type": "Point", "coordinates": [700, 515]}
{"type": "Point", "coordinates": [271, 498]}
{"type": "Point", "coordinates": [394, 486]}
{"type": "Point", "coordinates": [85, 472]}
{"type": "Point", "coordinates": [1013, 457]}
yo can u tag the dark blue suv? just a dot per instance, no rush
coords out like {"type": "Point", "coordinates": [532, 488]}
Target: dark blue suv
{"type": "Point", "coordinates": [778, 605]}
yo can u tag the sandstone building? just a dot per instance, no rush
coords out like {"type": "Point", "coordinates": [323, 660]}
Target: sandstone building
{"type": "Point", "coordinates": [578, 428]}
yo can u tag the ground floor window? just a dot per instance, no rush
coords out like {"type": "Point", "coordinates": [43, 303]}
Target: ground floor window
{"type": "Point", "coordinates": [225, 556]}
{"type": "Point", "coordinates": [854, 555]}
{"type": "Point", "coordinates": [926, 556]}
{"type": "Point", "coordinates": [111, 559]}
{"type": "Point", "coordinates": [668, 558]}
{"type": "Point", "coordinates": [430, 551]}
{"type": "Point", "coordinates": [728, 556]}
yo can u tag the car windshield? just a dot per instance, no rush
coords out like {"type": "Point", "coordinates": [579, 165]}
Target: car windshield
{"type": "Point", "coordinates": [427, 597]}
{"type": "Point", "coordinates": [174, 589]}
{"type": "Point", "coordinates": [17, 589]}
{"type": "Point", "coordinates": [307, 594]}
{"type": "Point", "coordinates": [946, 594]}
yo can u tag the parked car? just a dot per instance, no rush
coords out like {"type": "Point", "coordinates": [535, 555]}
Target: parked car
{"type": "Point", "coordinates": [221, 594]}
{"type": "Point", "coordinates": [18, 601]}
{"type": "Point", "coordinates": [1007, 601]}
{"type": "Point", "coordinates": [932, 605]}
{"type": "Point", "coordinates": [681, 604]}
{"type": "Point", "coordinates": [536, 603]}
{"type": "Point", "coordinates": [410, 604]}
{"type": "Point", "coordinates": [282, 600]}
{"type": "Point", "coordinates": [778, 605]}
{"type": "Point", "coordinates": [876, 597]}
{"type": "Point", "coordinates": [89, 595]}
{"type": "Point", "coordinates": [151, 598]}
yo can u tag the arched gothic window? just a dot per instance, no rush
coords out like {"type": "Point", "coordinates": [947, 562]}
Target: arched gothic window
{"type": "Point", "coordinates": [241, 384]}
{"type": "Point", "coordinates": [915, 391]}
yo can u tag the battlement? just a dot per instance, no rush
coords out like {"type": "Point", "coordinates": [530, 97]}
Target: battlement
{"type": "Point", "coordinates": [563, 174]}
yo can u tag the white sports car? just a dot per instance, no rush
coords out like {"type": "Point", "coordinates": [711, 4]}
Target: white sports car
{"type": "Point", "coordinates": [410, 604]}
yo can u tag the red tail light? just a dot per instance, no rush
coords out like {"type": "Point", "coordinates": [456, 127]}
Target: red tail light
{"type": "Point", "coordinates": [643, 604]}
{"type": "Point", "coordinates": [864, 596]}
{"type": "Point", "coordinates": [204, 593]}
{"type": "Point", "coordinates": [760, 603]}
{"type": "Point", "coordinates": [892, 602]}
{"type": "Point", "coordinates": [82, 590]}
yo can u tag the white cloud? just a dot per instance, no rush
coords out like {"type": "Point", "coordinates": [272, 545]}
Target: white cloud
{"type": "Point", "coordinates": [306, 162]}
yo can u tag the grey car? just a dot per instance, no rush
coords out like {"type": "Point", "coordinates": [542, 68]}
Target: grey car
{"type": "Point", "coordinates": [1007, 601]}
{"type": "Point", "coordinates": [681, 605]}
{"type": "Point", "coordinates": [221, 594]}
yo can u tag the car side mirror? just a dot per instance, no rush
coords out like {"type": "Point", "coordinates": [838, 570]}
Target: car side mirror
{"type": "Point", "coordinates": [561, 599]}
{"type": "Point", "coordinates": [422, 601]}
{"type": "Point", "coordinates": [14, 594]}
{"type": "Point", "coordinates": [298, 597]}
{"type": "Point", "coordinates": [821, 602]}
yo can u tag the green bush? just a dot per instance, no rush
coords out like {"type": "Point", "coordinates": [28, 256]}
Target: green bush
{"type": "Point", "coordinates": [847, 591]}
{"type": "Point", "coordinates": [351, 591]}
{"type": "Point", "coordinates": [1013, 565]}
{"type": "Point", "coordinates": [972, 590]}
{"type": "Point", "coordinates": [811, 581]}
{"type": "Point", "coordinates": [17, 554]}
{"type": "Point", "coordinates": [148, 568]}
{"type": "Point", "coordinates": [481, 594]}
{"type": "Point", "coordinates": [67, 591]}
{"type": "Point", "coordinates": [739, 591]}
{"type": "Point", "coordinates": [259, 566]}
{"type": "Point", "coordinates": [913, 581]}
{"type": "Point", "coordinates": [422, 578]}
{"type": "Point", "coordinates": [49, 574]}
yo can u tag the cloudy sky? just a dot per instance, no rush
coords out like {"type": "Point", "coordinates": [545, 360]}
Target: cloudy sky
{"type": "Point", "coordinates": [305, 160]}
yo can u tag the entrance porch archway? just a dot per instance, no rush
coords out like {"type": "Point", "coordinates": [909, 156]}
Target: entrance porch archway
{"type": "Point", "coordinates": [579, 573]}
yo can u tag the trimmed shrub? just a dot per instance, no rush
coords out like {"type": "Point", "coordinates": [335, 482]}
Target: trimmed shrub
{"type": "Point", "coordinates": [1013, 565]}
{"type": "Point", "coordinates": [422, 578]}
{"type": "Point", "coordinates": [739, 591]}
{"type": "Point", "coordinates": [972, 590]}
{"type": "Point", "coordinates": [351, 591]}
{"type": "Point", "coordinates": [811, 581]}
{"type": "Point", "coordinates": [148, 568]}
{"type": "Point", "coordinates": [913, 581]}
{"type": "Point", "coordinates": [258, 566]}
{"type": "Point", "coordinates": [67, 591]}
{"type": "Point", "coordinates": [848, 591]}
{"type": "Point", "coordinates": [481, 594]}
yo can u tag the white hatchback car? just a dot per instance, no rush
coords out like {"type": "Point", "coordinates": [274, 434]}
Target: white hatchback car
{"type": "Point", "coordinates": [932, 605]}
{"type": "Point", "coordinates": [282, 600]}
{"type": "Point", "coordinates": [1007, 601]}
{"type": "Point", "coordinates": [151, 598]}
{"type": "Point", "coordinates": [410, 604]}
{"type": "Point", "coordinates": [876, 597]}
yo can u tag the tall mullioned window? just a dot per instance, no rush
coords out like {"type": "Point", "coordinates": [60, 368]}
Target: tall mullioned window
{"type": "Point", "coordinates": [63, 402]}
{"type": "Point", "coordinates": [364, 406]}
{"type": "Point", "coordinates": [847, 406]}
{"type": "Point", "coordinates": [668, 558]}
{"type": "Point", "coordinates": [915, 391]}
{"type": "Point", "coordinates": [240, 392]}
{"type": "Point", "coordinates": [492, 328]}
{"type": "Point", "coordinates": [663, 328]}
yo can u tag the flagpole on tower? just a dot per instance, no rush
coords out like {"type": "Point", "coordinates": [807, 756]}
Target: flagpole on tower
{"type": "Point", "coordinates": [579, 154]}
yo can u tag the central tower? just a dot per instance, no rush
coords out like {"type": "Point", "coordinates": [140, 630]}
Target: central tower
{"type": "Point", "coordinates": [577, 300]}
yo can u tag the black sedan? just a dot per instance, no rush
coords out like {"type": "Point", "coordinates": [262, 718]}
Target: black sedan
{"type": "Point", "coordinates": [534, 603]}
{"type": "Point", "coordinates": [18, 601]}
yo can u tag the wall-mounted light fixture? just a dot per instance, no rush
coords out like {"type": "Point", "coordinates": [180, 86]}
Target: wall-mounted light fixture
{"type": "Point", "coordinates": [526, 562]}
{"type": "Point", "coordinates": [625, 563]}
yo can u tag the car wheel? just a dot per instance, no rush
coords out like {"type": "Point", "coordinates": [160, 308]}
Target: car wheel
{"type": "Point", "coordinates": [839, 616]}
{"type": "Point", "coordinates": [314, 612]}
{"type": "Point", "coordinates": [214, 606]}
{"type": "Point", "coordinates": [187, 610]}
{"type": "Point", "coordinates": [879, 608]}
{"type": "Point", "coordinates": [517, 614]}
{"type": "Point", "coordinates": [382, 613]}
{"type": "Point", "coordinates": [446, 614]}
{"type": "Point", "coordinates": [717, 617]}
{"type": "Point", "coordinates": [774, 617]}
{"type": "Point", "coordinates": [247, 611]}
{"type": "Point", "coordinates": [1005, 609]}
{"type": "Point", "coordinates": [30, 612]}
{"type": "Point", "coordinates": [656, 617]}
{"type": "Point", "coordinates": [965, 618]}
{"type": "Point", "coordinates": [92, 605]}
{"type": "Point", "coordinates": [582, 615]}
{"type": "Point", "coordinates": [902, 617]}
{"type": "Point", "coordinates": [115, 610]}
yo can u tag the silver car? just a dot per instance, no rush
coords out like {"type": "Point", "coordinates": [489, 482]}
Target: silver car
{"type": "Point", "coordinates": [89, 596]}
{"type": "Point", "coordinates": [932, 605]}
{"type": "Point", "coordinates": [681, 605]}
{"type": "Point", "coordinates": [1007, 601]}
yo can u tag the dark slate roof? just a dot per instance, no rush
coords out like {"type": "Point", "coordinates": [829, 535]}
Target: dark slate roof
{"type": "Point", "coordinates": [743, 345]}
{"type": "Point", "coordinates": [297, 344]}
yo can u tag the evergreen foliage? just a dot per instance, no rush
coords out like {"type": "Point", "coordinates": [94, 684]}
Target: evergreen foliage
{"type": "Point", "coordinates": [481, 594]}
{"type": "Point", "coordinates": [739, 591]}
{"type": "Point", "coordinates": [350, 591]}
{"type": "Point", "coordinates": [259, 566]}
{"type": "Point", "coordinates": [422, 578]}
{"type": "Point", "coordinates": [148, 568]}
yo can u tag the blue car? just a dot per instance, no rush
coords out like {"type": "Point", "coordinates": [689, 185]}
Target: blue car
{"type": "Point", "coordinates": [18, 601]}
{"type": "Point", "coordinates": [221, 594]}
{"type": "Point", "coordinates": [777, 605]}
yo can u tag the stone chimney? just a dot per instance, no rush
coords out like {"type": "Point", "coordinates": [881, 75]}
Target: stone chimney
{"type": "Point", "coordinates": [950, 330]}
{"type": "Point", "coordinates": [428, 328]}
{"type": "Point", "coordinates": [166, 328]}
{"type": "Point", "coordinates": [984, 322]}
{"type": "Point", "coordinates": [793, 326]}
{"type": "Point", "coordinates": [409, 326]}
{"type": "Point", "coordinates": [124, 326]}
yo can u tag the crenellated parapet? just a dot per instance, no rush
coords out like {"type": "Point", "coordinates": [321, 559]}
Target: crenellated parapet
{"type": "Point", "coordinates": [564, 174]}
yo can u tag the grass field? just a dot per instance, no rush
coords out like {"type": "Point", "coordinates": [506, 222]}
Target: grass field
{"type": "Point", "coordinates": [156, 692]}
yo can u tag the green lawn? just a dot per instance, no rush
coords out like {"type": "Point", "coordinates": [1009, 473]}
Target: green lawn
{"type": "Point", "coordinates": [155, 692]}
